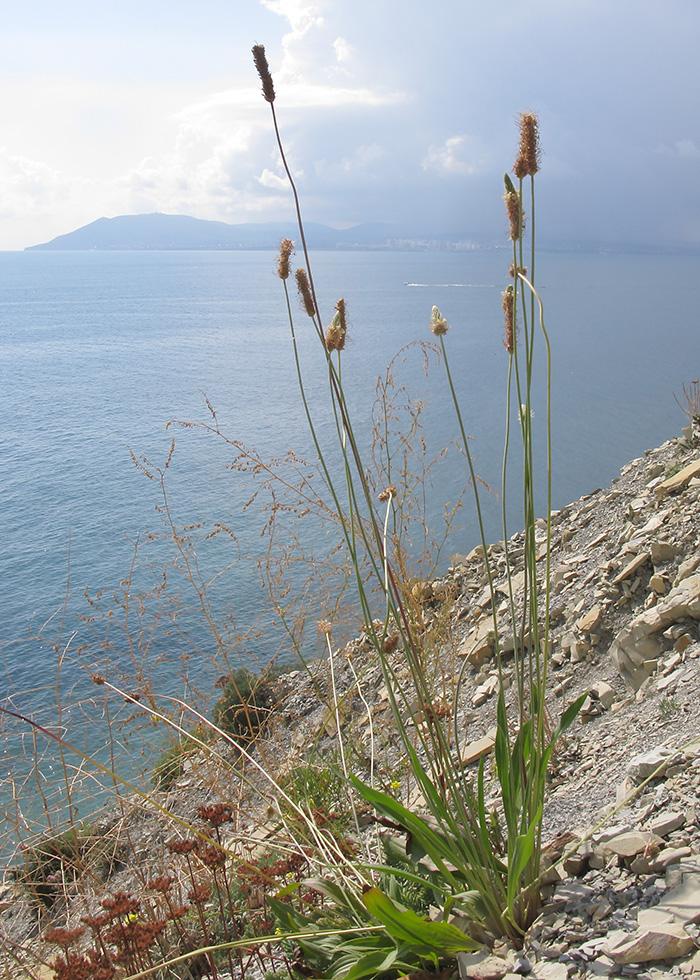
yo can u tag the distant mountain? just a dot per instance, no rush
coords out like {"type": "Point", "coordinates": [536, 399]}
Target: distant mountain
{"type": "Point", "coordinates": [164, 232]}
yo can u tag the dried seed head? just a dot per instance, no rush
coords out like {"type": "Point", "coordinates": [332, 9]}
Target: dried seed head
{"type": "Point", "coordinates": [63, 937]}
{"type": "Point", "coordinates": [286, 249]}
{"type": "Point", "coordinates": [217, 814]}
{"type": "Point", "coordinates": [528, 162]}
{"type": "Point", "coordinates": [200, 894]}
{"type": "Point", "coordinates": [162, 884]}
{"type": "Point", "coordinates": [182, 846]}
{"type": "Point", "coordinates": [388, 493]}
{"type": "Point", "coordinates": [305, 291]}
{"type": "Point", "coordinates": [324, 626]}
{"type": "Point", "coordinates": [212, 856]}
{"type": "Point", "coordinates": [438, 324]}
{"type": "Point", "coordinates": [335, 333]}
{"type": "Point", "coordinates": [121, 903]}
{"type": "Point", "coordinates": [508, 307]}
{"type": "Point", "coordinates": [264, 71]}
{"type": "Point", "coordinates": [514, 210]}
{"type": "Point", "coordinates": [519, 269]}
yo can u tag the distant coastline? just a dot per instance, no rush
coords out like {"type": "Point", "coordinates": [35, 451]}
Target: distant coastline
{"type": "Point", "coordinates": [176, 232]}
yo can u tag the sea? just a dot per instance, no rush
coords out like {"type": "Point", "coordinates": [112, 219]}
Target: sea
{"type": "Point", "coordinates": [151, 424]}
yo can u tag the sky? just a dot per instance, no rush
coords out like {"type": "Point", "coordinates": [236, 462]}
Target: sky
{"type": "Point", "coordinates": [390, 110]}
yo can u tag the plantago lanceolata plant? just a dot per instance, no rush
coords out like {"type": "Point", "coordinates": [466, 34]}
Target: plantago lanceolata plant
{"type": "Point", "coordinates": [498, 893]}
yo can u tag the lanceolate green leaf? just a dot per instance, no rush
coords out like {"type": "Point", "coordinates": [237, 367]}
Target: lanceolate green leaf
{"type": "Point", "coordinates": [343, 898]}
{"type": "Point", "coordinates": [522, 851]}
{"type": "Point", "coordinates": [436, 847]}
{"type": "Point", "coordinates": [371, 964]}
{"type": "Point", "coordinates": [406, 926]}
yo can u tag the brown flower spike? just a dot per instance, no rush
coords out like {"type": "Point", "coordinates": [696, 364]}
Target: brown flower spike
{"type": "Point", "coordinates": [514, 211]}
{"type": "Point", "coordinates": [335, 333]}
{"type": "Point", "coordinates": [264, 71]}
{"type": "Point", "coordinates": [286, 249]}
{"type": "Point", "coordinates": [528, 162]}
{"type": "Point", "coordinates": [305, 291]}
{"type": "Point", "coordinates": [509, 339]}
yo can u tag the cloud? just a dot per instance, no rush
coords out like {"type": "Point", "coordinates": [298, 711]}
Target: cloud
{"type": "Point", "coordinates": [451, 159]}
{"type": "Point", "coordinates": [268, 179]}
{"type": "Point", "coordinates": [29, 186]}
{"type": "Point", "coordinates": [301, 14]}
{"type": "Point", "coordinates": [224, 161]}
{"type": "Point", "coordinates": [343, 50]}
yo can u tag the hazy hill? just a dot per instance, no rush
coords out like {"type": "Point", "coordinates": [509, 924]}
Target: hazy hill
{"type": "Point", "coordinates": [177, 231]}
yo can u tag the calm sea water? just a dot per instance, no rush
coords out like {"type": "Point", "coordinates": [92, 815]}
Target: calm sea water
{"type": "Point", "coordinates": [98, 351]}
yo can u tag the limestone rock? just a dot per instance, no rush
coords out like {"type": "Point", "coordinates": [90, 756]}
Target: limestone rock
{"type": "Point", "coordinates": [678, 480]}
{"type": "Point", "coordinates": [590, 620]}
{"type": "Point", "coordinates": [478, 648]}
{"type": "Point", "coordinates": [637, 641]}
{"type": "Point", "coordinates": [662, 551]}
{"type": "Point", "coordinates": [551, 971]}
{"type": "Point", "coordinates": [683, 901]}
{"type": "Point", "coordinates": [666, 823]}
{"type": "Point", "coordinates": [670, 855]}
{"type": "Point", "coordinates": [481, 966]}
{"type": "Point", "coordinates": [484, 691]}
{"type": "Point", "coordinates": [638, 562]}
{"type": "Point", "coordinates": [475, 750]}
{"type": "Point", "coordinates": [629, 844]}
{"type": "Point", "coordinates": [604, 693]}
{"type": "Point", "coordinates": [645, 764]}
{"type": "Point", "coordinates": [660, 942]}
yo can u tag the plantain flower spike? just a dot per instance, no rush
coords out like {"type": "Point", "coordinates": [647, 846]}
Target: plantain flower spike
{"type": "Point", "coordinates": [438, 324]}
{"type": "Point", "coordinates": [305, 291]}
{"type": "Point", "coordinates": [508, 300]}
{"type": "Point", "coordinates": [264, 71]}
{"type": "Point", "coordinates": [513, 209]}
{"type": "Point", "coordinates": [286, 249]}
{"type": "Point", "coordinates": [528, 162]}
{"type": "Point", "coordinates": [335, 333]}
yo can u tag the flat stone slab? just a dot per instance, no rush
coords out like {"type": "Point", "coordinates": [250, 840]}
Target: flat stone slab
{"type": "Point", "coordinates": [683, 901]}
{"type": "Point", "coordinates": [667, 940]}
{"type": "Point", "coordinates": [678, 480]}
{"type": "Point", "coordinates": [475, 750]}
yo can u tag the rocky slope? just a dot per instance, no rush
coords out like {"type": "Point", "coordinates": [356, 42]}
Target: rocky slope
{"type": "Point", "coordinates": [622, 818]}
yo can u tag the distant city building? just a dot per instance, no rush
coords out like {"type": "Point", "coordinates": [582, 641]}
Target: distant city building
{"type": "Point", "coordinates": [433, 245]}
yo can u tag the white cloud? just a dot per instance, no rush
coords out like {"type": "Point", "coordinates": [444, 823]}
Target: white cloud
{"type": "Point", "coordinates": [298, 94]}
{"type": "Point", "coordinates": [451, 159]}
{"type": "Point", "coordinates": [301, 14]}
{"type": "Point", "coordinates": [29, 186]}
{"type": "Point", "coordinates": [343, 50]}
{"type": "Point", "coordinates": [273, 181]}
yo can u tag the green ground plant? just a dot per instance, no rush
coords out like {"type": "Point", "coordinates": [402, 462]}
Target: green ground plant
{"type": "Point", "coordinates": [244, 707]}
{"type": "Point", "coordinates": [50, 862]}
